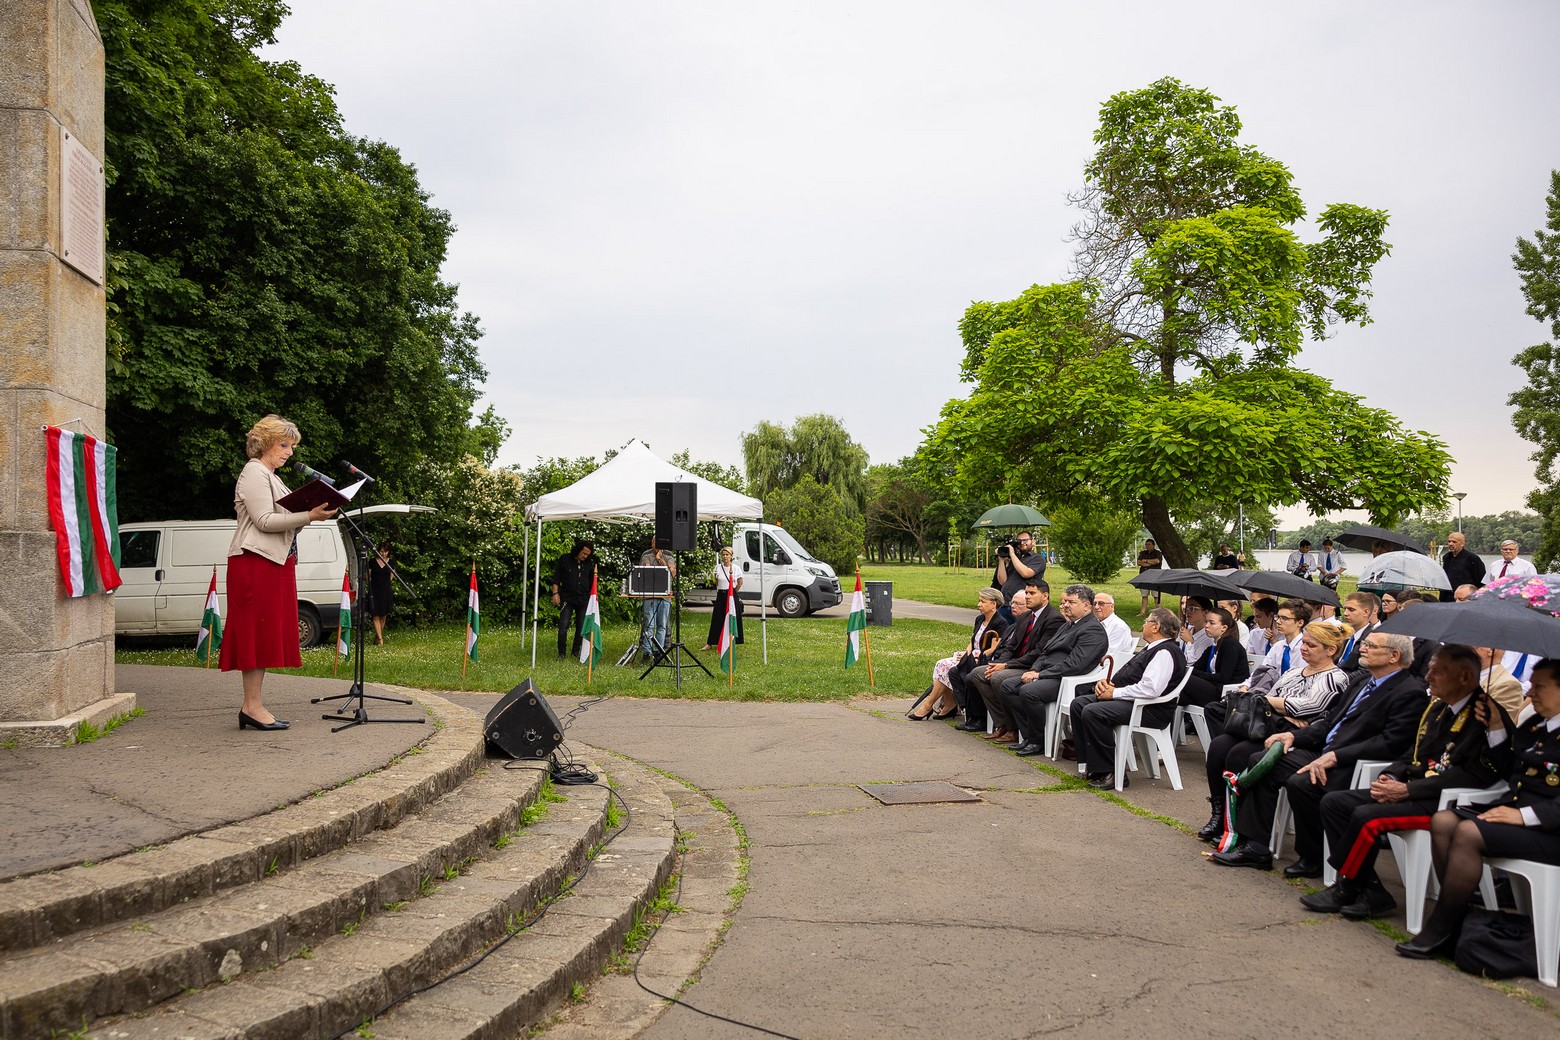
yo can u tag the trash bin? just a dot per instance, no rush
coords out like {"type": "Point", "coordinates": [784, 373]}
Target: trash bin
{"type": "Point", "coordinates": [880, 603]}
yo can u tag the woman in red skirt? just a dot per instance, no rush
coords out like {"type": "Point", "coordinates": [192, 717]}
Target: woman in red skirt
{"type": "Point", "coordinates": [262, 628]}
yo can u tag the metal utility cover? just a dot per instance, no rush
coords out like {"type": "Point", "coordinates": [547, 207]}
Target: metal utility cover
{"type": "Point", "coordinates": [918, 793]}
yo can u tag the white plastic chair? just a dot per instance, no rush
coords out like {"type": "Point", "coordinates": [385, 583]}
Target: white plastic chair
{"type": "Point", "coordinates": [1411, 849]}
{"type": "Point", "coordinates": [1365, 773]}
{"type": "Point", "coordinates": [1539, 896]}
{"type": "Point", "coordinates": [1163, 738]}
{"type": "Point", "coordinates": [1058, 709]}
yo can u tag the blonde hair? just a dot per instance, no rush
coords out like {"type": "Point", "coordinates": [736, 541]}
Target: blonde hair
{"type": "Point", "coordinates": [1331, 634]}
{"type": "Point", "coordinates": [264, 435]}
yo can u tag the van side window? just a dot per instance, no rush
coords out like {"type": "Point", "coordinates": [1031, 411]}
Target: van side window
{"type": "Point", "coordinates": [752, 545]}
{"type": "Point", "coordinates": [138, 548]}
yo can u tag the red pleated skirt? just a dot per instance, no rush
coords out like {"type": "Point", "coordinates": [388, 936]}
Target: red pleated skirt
{"type": "Point", "coordinates": [261, 629]}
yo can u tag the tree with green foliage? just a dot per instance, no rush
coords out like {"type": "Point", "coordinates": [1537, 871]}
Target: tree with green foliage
{"type": "Point", "coordinates": [1537, 404]}
{"type": "Point", "coordinates": [817, 446]}
{"type": "Point", "coordinates": [1161, 375]}
{"type": "Point", "coordinates": [263, 260]}
{"type": "Point", "coordinates": [900, 509]}
{"type": "Point", "coordinates": [1092, 539]}
{"type": "Point", "coordinates": [816, 515]}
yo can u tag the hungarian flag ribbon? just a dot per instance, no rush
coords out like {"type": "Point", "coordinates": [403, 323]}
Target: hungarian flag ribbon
{"type": "Point", "coordinates": [728, 633]}
{"type": "Point", "coordinates": [344, 621]}
{"type": "Point", "coordinates": [856, 642]}
{"type": "Point", "coordinates": [473, 622]}
{"type": "Point", "coordinates": [83, 510]}
{"type": "Point", "coordinates": [209, 639]}
{"type": "Point", "coordinates": [590, 631]}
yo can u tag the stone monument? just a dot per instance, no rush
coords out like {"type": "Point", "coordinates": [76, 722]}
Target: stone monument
{"type": "Point", "coordinates": [56, 653]}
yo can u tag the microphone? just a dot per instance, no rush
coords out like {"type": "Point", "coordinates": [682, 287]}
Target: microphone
{"type": "Point", "coordinates": [309, 472]}
{"type": "Point", "coordinates": [352, 471]}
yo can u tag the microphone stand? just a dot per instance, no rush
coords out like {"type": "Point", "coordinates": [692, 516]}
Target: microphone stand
{"type": "Point", "coordinates": [671, 655]}
{"type": "Point", "coordinates": [358, 690]}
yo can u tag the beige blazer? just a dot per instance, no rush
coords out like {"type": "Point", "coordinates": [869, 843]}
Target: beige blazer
{"type": "Point", "coordinates": [1506, 691]}
{"type": "Point", "coordinates": [263, 527]}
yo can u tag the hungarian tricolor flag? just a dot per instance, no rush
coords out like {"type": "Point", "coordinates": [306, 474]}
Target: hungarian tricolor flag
{"type": "Point", "coordinates": [209, 639]}
{"type": "Point", "coordinates": [728, 634]}
{"type": "Point", "coordinates": [473, 621]}
{"type": "Point", "coordinates": [590, 629]}
{"type": "Point", "coordinates": [855, 625]}
{"type": "Point", "coordinates": [83, 510]}
{"type": "Point", "coordinates": [344, 619]}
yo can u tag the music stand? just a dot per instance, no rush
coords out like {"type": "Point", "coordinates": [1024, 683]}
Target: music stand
{"type": "Point", "coordinates": [358, 690]}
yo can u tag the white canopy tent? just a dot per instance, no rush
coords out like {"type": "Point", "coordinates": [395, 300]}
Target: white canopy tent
{"type": "Point", "coordinates": [623, 492]}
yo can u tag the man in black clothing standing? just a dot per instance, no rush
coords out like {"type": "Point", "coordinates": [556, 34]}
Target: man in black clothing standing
{"type": "Point", "coordinates": [571, 591]}
{"type": "Point", "coordinates": [1017, 565]}
{"type": "Point", "coordinates": [1462, 567]}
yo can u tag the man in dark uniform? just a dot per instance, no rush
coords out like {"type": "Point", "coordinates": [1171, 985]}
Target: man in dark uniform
{"type": "Point", "coordinates": [1451, 749]}
{"type": "Point", "coordinates": [571, 591]}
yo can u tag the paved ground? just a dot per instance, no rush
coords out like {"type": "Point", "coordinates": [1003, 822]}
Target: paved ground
{"type": "Point", "coordinates": [1032, 911]}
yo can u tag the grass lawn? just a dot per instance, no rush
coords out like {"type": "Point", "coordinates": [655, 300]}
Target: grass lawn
{"type": "Point", "coordinates": [806, 661]}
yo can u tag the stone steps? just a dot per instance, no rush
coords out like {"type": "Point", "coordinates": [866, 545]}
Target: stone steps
{"type": "Point", "coordinates": [347, 979]}
{"type": "Point", "coordinates": [43, 908]}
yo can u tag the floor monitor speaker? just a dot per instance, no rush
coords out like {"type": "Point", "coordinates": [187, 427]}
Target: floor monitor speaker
{"type": "Point", "coordinates": [522, 725]}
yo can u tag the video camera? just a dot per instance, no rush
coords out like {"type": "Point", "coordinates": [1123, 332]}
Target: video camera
{"type": "Point", "coordinates": [1005, 550]}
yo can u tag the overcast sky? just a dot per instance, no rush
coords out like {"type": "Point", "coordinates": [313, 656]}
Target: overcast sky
{"type": "Point", "coordinates": [679, 219]}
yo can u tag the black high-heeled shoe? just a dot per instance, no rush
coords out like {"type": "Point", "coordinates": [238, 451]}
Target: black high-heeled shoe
{"type": "Point", "coordinates": [950, 713]}
{"type": "Point", "coordinates": [245, 722]}
{"type": "Point", "coordinates": [913, 717]}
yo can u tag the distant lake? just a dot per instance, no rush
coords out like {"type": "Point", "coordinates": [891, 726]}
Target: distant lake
{"type": "Point", "coordinates": [1274, 560]}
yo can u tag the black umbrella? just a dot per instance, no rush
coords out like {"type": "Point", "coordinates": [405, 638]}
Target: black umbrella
{"type": "Point", "coordinates": [1188, 581]}
{"type": "Point", "coordinates": [1284, 584]}
{"type": "Point", "coordinates": [1484, 622]}
{"type": "Point", "coordinates": [1365, 537]}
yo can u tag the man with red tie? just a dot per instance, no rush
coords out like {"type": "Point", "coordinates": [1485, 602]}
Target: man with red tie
{"type": "Point", "coordinates": [1510, 565]}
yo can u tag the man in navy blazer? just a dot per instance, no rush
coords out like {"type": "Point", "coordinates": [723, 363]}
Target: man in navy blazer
{"type": "Point", "coordinates": [1374, 718]}
{"type": "Point", "coordinates": [1075, 649]}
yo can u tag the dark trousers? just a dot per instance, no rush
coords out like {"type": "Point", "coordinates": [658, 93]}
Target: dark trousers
{"type": "Point", "coordinates": [1094, 725]}
{"type": "Point", "coordinates": [1231, 753]}
{"type": "Point", "coordinates": [1258, 806]}
{"type": "Point", "coordinates": [969, 700]}
{"type": "Point", "coordinates": [1353, 820]}
{"type": "Point", "coordinates": [986, 692]}
{"type": "Point", "coordinates": [577, 612]}
{"type": "Point", "coordinates": [1199, 692]}
{"type": "Point", "coordinates": [1027, 701]}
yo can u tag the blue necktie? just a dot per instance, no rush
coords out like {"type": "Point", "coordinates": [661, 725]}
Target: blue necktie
{"type": "Point", "coordinates": [1285, 666]}
{"type": "Point", "coordinates": [1521, 664]}
{"type": "Point", "coordinates": [1369, 689]}
{"type": "Point", "coordinates": [1347, 648]}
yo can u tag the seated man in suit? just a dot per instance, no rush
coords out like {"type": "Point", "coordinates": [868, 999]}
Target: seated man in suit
{"type": "Point", "coordinates": [964, 686]}
{"type": "Point", "coordinates": [1155, 671]}
{"type": "Point", "coordinates": [1451, 749]}
{"type": "Point", "coordinates": [1044, 621]}
{"type": "Point", "coordinates": [1362, 612]}
{"type": "Point", "coordinates": [1375, 718]}
{"type": "Point", "coordinates": [1075, 649]}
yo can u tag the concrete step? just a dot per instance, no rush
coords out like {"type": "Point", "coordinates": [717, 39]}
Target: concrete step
{"type": "Point", "coordinates": [345, 979]}
{"type": "Point", "coordinates": [42, 908]}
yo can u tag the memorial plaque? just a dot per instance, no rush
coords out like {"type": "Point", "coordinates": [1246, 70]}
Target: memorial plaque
{"type": "Point", "coordinates": [81, 207]}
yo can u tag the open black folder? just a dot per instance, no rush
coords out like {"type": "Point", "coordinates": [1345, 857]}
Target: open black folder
{"type": "Point", "coordinates": [316, 492]}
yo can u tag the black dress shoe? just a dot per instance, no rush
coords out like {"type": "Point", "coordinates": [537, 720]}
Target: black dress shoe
{"type": "Point", "coordinates": [1424, 946]}
{"type": "Point", "coordinates": [1107, 781]}
{"type": "Point", "coordinates": [1373, 902]}
{"type": "Point", "coordinates": [1331, 900]}
{"type": "Point", "coordinates": [1303, 868]}
{"type": "Point", "coordinates": [245, 722]}
{"type": "Point", "coordinates": [1027, 750]}
{"type": "Point", "coordinates": [972, 727]}
{"type": "Point", "coordinates": [1245, 855]}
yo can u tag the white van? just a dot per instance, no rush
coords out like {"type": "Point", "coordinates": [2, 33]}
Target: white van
{"type": "Point", "coordinates": [166, 567]}
{"type": "Point", "coordinates": [792, 583]}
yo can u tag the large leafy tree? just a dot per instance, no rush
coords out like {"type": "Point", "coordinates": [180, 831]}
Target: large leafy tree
{"type": "Point", "coordinates": [818, 446]}
{"type": "Point", "coordinates": [1161, 375]}
{"type": "Point", "coordinates": [1537, 404]}
{"type": "Point", "coordinates": [900, 508]}
{"type": "Point", "coordinates": [263, 260]}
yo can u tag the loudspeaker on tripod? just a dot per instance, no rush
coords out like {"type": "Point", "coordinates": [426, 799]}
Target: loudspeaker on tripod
{"type": "Point", "coordinates": [676, 514]}
{"type": "Point", "coordinates": [523, 725]}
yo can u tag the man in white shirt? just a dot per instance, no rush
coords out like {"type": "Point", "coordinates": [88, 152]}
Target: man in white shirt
{"type": "Point", "coordinates": [1510, 564]}
{"type": "Point", "coordinates": [1293, 615]}
{"type": "Point", "coordinates": [1331, 564]}
{"type": "Point", "coordinates": [1302, 562]}
{"type": "Point", "coordinates": [1150, 674]}
{"type": "Point", "coordinates": [1262, 636]}
{"type": "Point", "coordinates": [1123, 644]}
{"type": "Point", "coordinates": [1520, 667]}
{"type": "Point", "coordinates": [1194, 640]}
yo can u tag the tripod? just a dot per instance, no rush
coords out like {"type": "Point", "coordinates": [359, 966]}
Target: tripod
{"type": "Point", "coordinates": [670, 655]}
{"type": "Point", "coordinates": [358, 691]}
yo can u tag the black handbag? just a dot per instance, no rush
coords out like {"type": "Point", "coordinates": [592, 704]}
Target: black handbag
{"type": "Point", "coordinates": [1497, 945]}
{"type": "Point", "coordinates": [1249, 716]}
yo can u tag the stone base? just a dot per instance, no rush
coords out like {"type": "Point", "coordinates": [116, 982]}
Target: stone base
{"type": "Point", "coordinates": [62, 731]}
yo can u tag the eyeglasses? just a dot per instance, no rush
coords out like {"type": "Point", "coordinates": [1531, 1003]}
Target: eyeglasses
{"type": "Point", "coordinates": [1368, 645]}
{"type": "Point", "coordinates": [1287, 617]}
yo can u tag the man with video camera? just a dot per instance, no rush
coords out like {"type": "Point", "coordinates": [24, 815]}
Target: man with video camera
{"type": "Point", "coordinates": [1017, 564]}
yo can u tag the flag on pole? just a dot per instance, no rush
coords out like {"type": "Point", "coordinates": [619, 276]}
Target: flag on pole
{"type": "Point", "coordinates": [855, 625]}
{"type": "Point", "coordinates": [590, 630]}
{"type": "Point", "coordinates": [473, 621]}
{"type": "Point", "coordinates": [728, 635]}
{"type": "Point", "coordinates": [83, 510]}
{"type": "Point", "coordinates": [209, 639]}
{"type": "Point", "coordinates": [344, 618]}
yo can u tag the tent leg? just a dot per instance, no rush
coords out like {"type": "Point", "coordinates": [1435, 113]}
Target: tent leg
{"type": "Point", "coordinates": [536, 590]}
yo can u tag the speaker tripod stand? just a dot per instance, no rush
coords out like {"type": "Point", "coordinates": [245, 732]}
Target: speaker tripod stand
{"type": "Point", "coordinates": [671, 655]}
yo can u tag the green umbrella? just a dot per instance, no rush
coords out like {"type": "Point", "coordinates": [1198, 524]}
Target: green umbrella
{"type": "Point", "coordinates": [1010, 515]}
